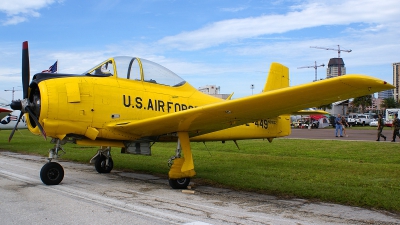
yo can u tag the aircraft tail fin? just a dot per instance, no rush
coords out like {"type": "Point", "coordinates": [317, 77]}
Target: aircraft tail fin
{"type": "Point", "coordinates": [230, 96]}
{"type": "Point", "coordinates": [278, 77]}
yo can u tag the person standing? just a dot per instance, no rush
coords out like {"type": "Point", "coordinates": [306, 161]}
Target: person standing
{"type": "Point", "coordinates": [344, 125]}
{"type": "Point", "coordinates": [338, 123]}
{"type": "Point", "coordinates": [395, 127]}
{"type": "Point", "coordinates": [380, 128]}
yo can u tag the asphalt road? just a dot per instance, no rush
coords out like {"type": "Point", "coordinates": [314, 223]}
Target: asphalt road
{"type": "Point", "coordinates": [86, 197]}
{"type": "Point", "coordinates": [353, 134]}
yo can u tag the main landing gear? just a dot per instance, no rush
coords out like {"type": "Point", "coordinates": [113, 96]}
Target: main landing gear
{"type": "Point", "coordinates": [180, 183]}
{"type": "Point", "coordinates": [177, 178]}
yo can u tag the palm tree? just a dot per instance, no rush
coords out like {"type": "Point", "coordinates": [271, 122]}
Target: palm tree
{"type": "Point", "coordinates": [389, 103]}
{"type": "Point", "coordinates": [363, 101]}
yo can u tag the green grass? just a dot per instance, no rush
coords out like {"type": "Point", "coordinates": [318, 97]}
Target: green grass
{"type": "Point", "coordinates": [365, 174]}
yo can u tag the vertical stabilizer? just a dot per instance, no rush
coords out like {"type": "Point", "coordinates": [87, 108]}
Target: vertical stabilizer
{"type": "Point", "coordinates": [278, 77]}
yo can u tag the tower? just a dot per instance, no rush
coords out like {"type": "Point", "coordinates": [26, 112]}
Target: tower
{"type": "Point", "coordinates": [396, 81]}
{"type": "Point", "coordinates": [335, 65]}
{"type": "Point", "coordinates": [335, 68]}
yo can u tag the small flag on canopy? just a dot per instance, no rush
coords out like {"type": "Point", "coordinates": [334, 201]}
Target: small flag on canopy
{"type": "Point", "coordinates": [52, 69]}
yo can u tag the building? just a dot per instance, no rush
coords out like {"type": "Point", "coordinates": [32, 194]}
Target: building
{"type": "Point", "coordinates": [396, 81]}
{"type": "Point", "coordinates": [213, 90]}
{"type": "Point", "coordinates": [335, 68]}
{"type": "Point", "coordinates": [385, 94]}
{"type": "Point", "coordinates": [340, 107]}
{"type": "Point", "coordinates": [376, 105]}
{"type": "Point", "coordinates": [209, 89]}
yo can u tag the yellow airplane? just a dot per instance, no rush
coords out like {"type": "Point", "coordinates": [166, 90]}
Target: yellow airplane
{"type": "Point", "coordinates": [129, 103]}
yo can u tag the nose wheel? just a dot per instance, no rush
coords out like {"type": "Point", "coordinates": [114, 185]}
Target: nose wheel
{"type": "Point", "coordinates": [52, 173]}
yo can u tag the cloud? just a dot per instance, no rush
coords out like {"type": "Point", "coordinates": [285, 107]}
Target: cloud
{"type": "Point", "coordinates": [308, 15]}
{"type": "Point", "coordinates": [18, 11]}
{"type": "Point", "coordinates": [237, 9]}
{"type": "Point", "coordinates": [14, 20]}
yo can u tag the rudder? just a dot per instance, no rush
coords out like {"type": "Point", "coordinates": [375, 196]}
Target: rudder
{"type": "Point", "coordinates": [278, 77]}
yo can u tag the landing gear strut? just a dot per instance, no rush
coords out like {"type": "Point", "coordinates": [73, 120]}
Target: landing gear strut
{"type": "Point", "coordinates": [52, 173]}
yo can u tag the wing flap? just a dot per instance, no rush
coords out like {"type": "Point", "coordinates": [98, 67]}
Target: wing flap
{"type": "Point", "coordinates": [222, 115]}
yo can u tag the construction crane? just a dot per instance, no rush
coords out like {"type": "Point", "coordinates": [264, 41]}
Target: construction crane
{"type": "Point", "coordinates": [335, 49]}
{"type": "Point", "coordinates": [315, 67]}
{"type": "Point", "coordinates": [338, 51]}
{"type": "Point", "coordinates": [13, 91]}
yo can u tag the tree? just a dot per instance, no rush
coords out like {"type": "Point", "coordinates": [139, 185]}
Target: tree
{"type": "Point", "coordinates": [389, 103]}
{"type": "Point", "coordinates": [363, 101]}
{"type": "Point", "coordinates": [324, 107]}
{"type": "Point", "coordinates": [351, 108]}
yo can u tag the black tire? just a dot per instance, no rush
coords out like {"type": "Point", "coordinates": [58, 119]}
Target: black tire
{"type": "Point", "coordinates": [179, 183]}
{"type": "Point", "coordinates": [101, 166]}
{"type": "Point", "coordinates": [52, 173]}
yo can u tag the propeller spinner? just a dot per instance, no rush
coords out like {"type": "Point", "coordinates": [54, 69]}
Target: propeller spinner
{"type": "Point", "coordinates": [25, 105]}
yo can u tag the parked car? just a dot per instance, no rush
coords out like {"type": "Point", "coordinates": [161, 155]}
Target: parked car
{"type": "Point", "coordinates": [359, 119]}
{"type": "Point", "coordinates": [363, 119]}
{"type": "Point", "coordinates": [352, 119]}
{"type": "Point", "coordinates": [299, 124]}
{"type": "Point", "coordinates": [373, 123]}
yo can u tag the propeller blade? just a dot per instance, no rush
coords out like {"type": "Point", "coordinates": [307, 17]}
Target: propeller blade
{"type": "Point", "coordinates": [15, 128]}
{"type": "Point", "coordinates": [33, 116]}
{"type": "Point", "coordinates": [25, 69]}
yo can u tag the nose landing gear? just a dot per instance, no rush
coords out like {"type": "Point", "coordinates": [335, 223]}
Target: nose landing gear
{"type": "Point", "coordinates": [52, 173]}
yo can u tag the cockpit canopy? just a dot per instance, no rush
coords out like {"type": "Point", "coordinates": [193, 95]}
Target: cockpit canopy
{"type": "Point", "coordinates": [136, 69]}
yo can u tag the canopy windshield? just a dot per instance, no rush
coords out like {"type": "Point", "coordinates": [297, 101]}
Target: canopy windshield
{"type": "Point", "coordinates": [136, 69]}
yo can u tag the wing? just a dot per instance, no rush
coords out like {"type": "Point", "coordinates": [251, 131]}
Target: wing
{"type": "Point", "coordinates": [309, 112]}
{"type": "Point", "coordinates": [4, 112]}
{"type": "Point", "coordinates": [270, 104]}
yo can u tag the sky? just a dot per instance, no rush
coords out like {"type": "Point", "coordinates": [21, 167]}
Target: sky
{"type": "Point", "coordinates": [226, 43]}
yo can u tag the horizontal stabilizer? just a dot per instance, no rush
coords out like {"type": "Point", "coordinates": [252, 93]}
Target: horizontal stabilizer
{"type": "Point", "coordinates": [310, 112]}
